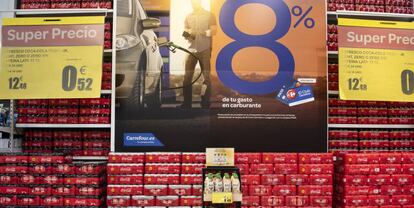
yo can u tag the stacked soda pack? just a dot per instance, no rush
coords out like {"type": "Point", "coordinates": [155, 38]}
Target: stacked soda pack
{"type": "Point", "coordinates": [374, 180]}
{"type": "Point", "coordinates": [50, 180]}
{"type": "Point", "coordinates": [286, 179]}
{"type": "Point", "coordinates": [65, 4]}
{"type": "Point", "coordinates": [65, 111]}
{"type": "Point", "coordinates": [371, 140]}
{"type": "Point", "coordinates": [332, 39]}
{"type": "Point", "coordinates": [75, 142]}
{"type": "Point", "coordinates": [388, 6]}
{"type": "Point", "coordinates": [333, 77]}
{"type": "Point", "coordinates": [155, 179]}
{"type": "Point", "coordinates": [370, 112]}
{"type": "Point", "coordinates": [107, 75]}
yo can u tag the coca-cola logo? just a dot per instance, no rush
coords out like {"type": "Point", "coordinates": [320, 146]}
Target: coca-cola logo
{"type": "Point", "coordinates": [142, 202]}
{"type": "Point", "coordinates": [5, 200]}
{"type": "Point", "coordinates": [5, 179]}
{"type": "Point", "coordinates": [274, 201]}
{"type": "Point", "coordinates": [125, 190]}
{"type": "Point", "coordinates": [51, 200]}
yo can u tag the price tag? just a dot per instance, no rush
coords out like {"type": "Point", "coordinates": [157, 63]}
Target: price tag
{"type": "Point", "coordinates": [376, 60]}
{"type": "Point", "coordinates": [222, 198]}
{"type": "Point", "coordinates": [51, 57]}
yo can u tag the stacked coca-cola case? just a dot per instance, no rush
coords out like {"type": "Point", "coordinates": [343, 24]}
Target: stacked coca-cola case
{"type": "Point", "coordinates": [389, 6]}
{"type": "Point", "coordinates": [370, 112]}
{"type": "Point", "coordinates": [50, 180]}
{"type": "Point", "coordinates": [332, 38]}
{"type": "Point", "coordinates": [65, 4]}
{"type": "Point", "coordinates": [374, 180]}
{"type": "Point", "coordinates": [155, 179]}
{"type": "Point", "coordinates": [74, 142]}
{"type": "Point", "coordinates": [286, 179]}
{"type": "Point", "coordinates": [65, 111]}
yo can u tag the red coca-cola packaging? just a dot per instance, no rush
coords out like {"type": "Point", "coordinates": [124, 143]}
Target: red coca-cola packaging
{"type": "Point", "coordinates": [63, 111]}
{"type": "Point", "coordinates": [357, 158]}
{"type": "Point", "coordinates": [390, 190]}
{"type": "Point", "coordinates": [285, 169]}
{"type": "Point", "coordinates": [63, 190]}
{"type": "Point", "coordinates": [197, 190]}
{"type": "Point", "coordinates": [118, 201]}
{"type": "Point", "coordinates": [260, 190]}
{"type": "Point", "coordinates": [333, 111]}
{"type": "Point", "coordinates": [123, 190]}
{"type": "Point", "coordinates": [124, 169]}
{"type": "Point", "coordinates": [333, 38]}
{"type": "Point", "coordinates": [37, 159]}
{"type": "Point", "coordinates": [243, 168]}
{"type": "Point", "coordinates": [380, 144]}
{"type": "Point", "coordinates": [280, 158]}
{"type": "Point", "coordinates": [250, 180]}
{"type": "Point", "coordinates": [64, 102]}
{"type": "Point", "coordinates": [170, 168]}
{"type": "Point", "coordinates": [357, 200]}
{"type": "Point", "coordinates": [316, 169]}
{"type": "Point", "coordinates": [8, 200]}
{"type": "Point", "coordinates": [143, 201]}
{"type": "Point", "coordinates": [312, 190]}
{"type": "Point", "coordinates": [245, 190]}
{"type": "Point", "coordinates": [372, 120]}
{"type": "Point", "coordinates": [179, 190]}
{"type": "Point", "coordinates": [390, 168]}
{"type": "Point", "coordinates": [402, 179]}
{"type": "Point", "coordinates": [315, 158]}
{"type": "Point", "coordinates": [273, 179]}
{"type": "Point", "coordinates": [191, 201]}
{"type": "Point", "coordinates": [353, 190]}
{"type": "Point", "coordinates": [193, 157]}
{"type": "Point", "coordinates": [353, 180]}
{"type": "Point", "coordinates": [332, 29]}
{"type": "Point", "coordinates": [28, 200]}
{"type": "Point", "coordinates": [13, 169]}
{"type": "Point", "coordinates": [41, 169]}
{"type": "Point", "coordinates": [9, 179]}
{"type": "Point", "coordinates": [320, 201]}
{"type": "Point", "coordinates": [399, 112]}
{"type": "Point", "coordinates": [51, 179]}
{"type": "Point", "coordinates": [167, 201]}
{"type": "Point", "coordinates": [126, 179]}
{"type": "Point", "coordinates": [347, 144]}
{"type": "Point", "coordinates": [41, 190]}
{"type": "Point", "coordinates": [341, 134]}
{"type": "Point", "coordinates": [372, 111]}
{"type": "Point", "coordinates": [261, 168]}
{"type": "Point", "coordinates": [407, 190]}
{"type": "Point", "coordinates": [82, 201]}
{"type": "Point", "coordinates": [88, 191]}
{"type": "Point", "coordinates": [321, 179]}
{"type": "Point", "coordinates": [16, 159]}
{"type": "Point", "coordinates": [94, 120]}
{"type": "Point", "coordinates": [299, 201]}
{"type": "Point", "coordinates": [32, 111]}
{"type": "Point", "coordinates": [95, 111]}
{"type": "Point", "coordinates": [14, 190]}
{"type": "Point", "coordinates": [343, 120]}
{"type": "Point", "coordinates": [191, 168]}
{"type": "Point", "coordinates": [379, 200]}
{"type": "Point", "coordinates": [390, 158]}
{"type": "Point", "coordinates": [407, 168]}
{"type": "Point", "coordinates": [190, 179]}
{"type": "Point", "coordinates": [251, 201]}
{"type": "Point", "coordinates": [51, 201]}
{"type": "Point", "coordinates": [379, 180]}
{"type": "Point", "coordinates": [373, 134]}
{"type": "Point", "coordinates": [95, 102]}
{"type": "Point", "coordinates": [297, 179]}
{"type": "Point", "coordinates": [359, 169]}
{"type": "Point", "coordinates": [155, 190]}
{"type": "Point", "coordinates": [247, 158]}
{"type": "Point", "coordinates": [91, 168]}
{"type": "Point", "coordinates": [161, 157]}
{"type": "Point", "coordinates": [27, 179]}
{"type": "Point", "coordinates": [162, 179]}
{"type": "Point", "coordinates": [407, 158]}
{"type": "Point", "coordinates": [284, 190]}
{"type": "Point", "coordinates": [84, 180]}
{"type": "Point", "coordinates": [402, 200]}
{"type": "Point", "coordinates": [272, 200]}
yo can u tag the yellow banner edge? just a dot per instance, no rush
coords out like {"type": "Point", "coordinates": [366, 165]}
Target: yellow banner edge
{"type": "Point", "coordinates": [375, 23]}
{"type": "Point", "coordinates": [62, 21]}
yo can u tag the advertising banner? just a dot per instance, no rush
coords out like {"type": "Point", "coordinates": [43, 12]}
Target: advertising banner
{"type": "Point", "coordinates": [376, 60]}
{"type": "Point", "coordinates": [248, 74]}
{"type": "Point", "coordinates": [58, 57]}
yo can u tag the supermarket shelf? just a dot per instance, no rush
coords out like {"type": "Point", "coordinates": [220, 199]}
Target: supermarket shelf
{"type": "Point", "coordinates": [29, 12]}
{"type": "Point", "coordinates": [63, 125]}
{"type": "Point", "coordinates": [90, 158]}
{"type": "Point", "coordinates": [371, 15]}
{"type": "Point", "coordinates": [371, 126]}
{"type": "Point", "coordinates": [107, 50]}
{"type": "Point", "coordinates": [106, 92]}
{"type": "Point", "coordinates": [5, 129]}
{"type": "Point", "coordinates": [333, 92]}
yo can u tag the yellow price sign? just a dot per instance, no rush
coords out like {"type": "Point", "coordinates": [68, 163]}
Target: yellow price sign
{"type": "Point", "coordinates": [222, 198]}
{"type": "Point", "coordinates": [376, 60]}
{"type": "Point", "coordinates": [58, 57]}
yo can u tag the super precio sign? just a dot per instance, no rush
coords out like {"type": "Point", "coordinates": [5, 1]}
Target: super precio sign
{"type": "Point", "coordinates": [51, 57]}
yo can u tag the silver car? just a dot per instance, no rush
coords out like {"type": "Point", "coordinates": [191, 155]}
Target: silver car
{"type": "Point", "coordinates": [138, 60]}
